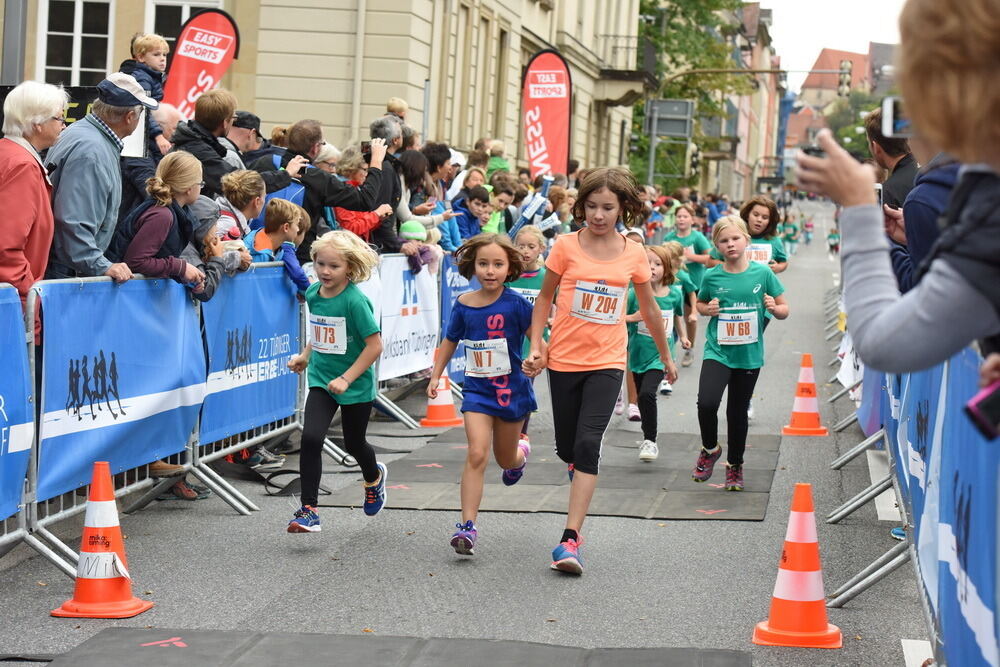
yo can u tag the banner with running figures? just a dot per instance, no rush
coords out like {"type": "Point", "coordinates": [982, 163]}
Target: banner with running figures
{"type": "Point", "coordinates": [123, 377]}
{"type": "Point", "coordinates": [16, 414]}
{"type": "Point", "coordinates": [410, 318]}
{"type": "Point", "coordinates": [453, 285]}
{"type": "Point", "coordinates": [252, 330]}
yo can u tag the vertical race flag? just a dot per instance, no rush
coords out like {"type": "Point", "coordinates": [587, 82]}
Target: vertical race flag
{"type": "Point", "coordinates": [208, 44]}
{"type": "Point", "coordinates": [546, 99]}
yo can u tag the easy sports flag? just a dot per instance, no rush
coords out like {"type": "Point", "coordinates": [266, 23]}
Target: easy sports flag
{"type": "Point", "coordinates": [545, 102]}
{"type": "Point", "coordinates": [208, 44]}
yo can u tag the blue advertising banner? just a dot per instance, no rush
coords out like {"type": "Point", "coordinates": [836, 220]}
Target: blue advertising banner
{"type": "Point", "coordinates": [16, 418]}
{"type": "Point", "coordinates": [252, 330]}
{"type": "Point", "coordinates": [123, 377]}
{"type": "Point", "coordinates": [453, 285]}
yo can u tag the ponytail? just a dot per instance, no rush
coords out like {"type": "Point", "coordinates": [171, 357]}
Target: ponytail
{"type": "Point", "coordinates": [159, 191]}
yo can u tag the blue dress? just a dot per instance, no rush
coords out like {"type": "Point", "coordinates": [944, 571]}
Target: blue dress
{"type": "Point", "coordinates": [494, 335]}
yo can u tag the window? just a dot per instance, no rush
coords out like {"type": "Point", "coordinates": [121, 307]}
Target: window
{"type": "Point", "coordinates": [500, 98]}
{"type": "Point", "coordinates": [75, 41]}
{"type": "Point", "coordinates": [166, 18]}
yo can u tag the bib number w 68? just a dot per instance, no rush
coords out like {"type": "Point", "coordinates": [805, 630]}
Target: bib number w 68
{"type": "Point", "coordinates": [737, 328]}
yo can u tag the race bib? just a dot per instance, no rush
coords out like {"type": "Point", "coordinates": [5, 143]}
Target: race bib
{"type": "Point", "coordinates": [487, 358]}
{"type": "Point", "coordinates": [738, 328]}
{"type": "Point", "coordinates": [760, 252]}
{"type": "Point", "coordinates": [594, 302]}
{"type": "Point", "coordinates": [527, 293]}
{"type": "Point", "coordinates": [328, 335]}
{"type": "Point", "coordinates": [668, 325]}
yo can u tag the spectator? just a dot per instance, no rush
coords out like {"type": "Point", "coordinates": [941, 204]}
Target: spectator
{"type": "Point", "coordinates": [482, 144]}
{"type": "Point", "coordinates": [413, 169]}
{"type": "Point", "coordinates": [524, 176]}
{"type": "Point", "coordinates": [427, 255]}
{"type": "Point", "coordinates": [208, 253]}
{"type": "Point", "coordinates": [895, 157]}
{"type": "Point", "coordinates": [498, 162]}
{"type": "Point", "coordinates": [257, 145]}
{"type": "Point", "coordinates": [323, 189]}
{"type": "Point", "coordinates": [477, 158]}
{"type": "Point", "coordinates": [438, 171]}
{"type": "Point", "coordinates": [168, 117]}
{"type": "Point", "coordinates": [243, 135]}
{"type": "Point", "coordinates": [87, 181]}
{"type": "Point", "coordinates": [279, 136]}
{"type": "Point", "coordinates": [147, 66]}
{"type": "Point", "coordinates": [397, 107]}
{"type": "Point", "coordinates": [293, 269]}
{"type": "Point", "coordinates": [137, 170]}
{"type": "Point", "coordinates": [154, 235]}
{"type": "Point", "coordinates": [326, 158]}
{"type": "Point", "coordinates": [572, 167]}
{"type": "Point", "coordinates": [33, 118]}
{"type": "Point", "coordinates": [353, 169]}
{"type": "Point", "coordinates": [959, 299]}
{"type": "Point", "coordinates": [471, 219]}
{"type": "Point", "coordinates": [411, 139]}
{"type": "Point", "coordinates": [386, 235]}
{"type": "Point", "coordinates": [500, 219]}
{"type": "Point", "coordinates": [475, 177]}
{"type": "Point", "coordinates": [281, 225]}
{"type": "Point", "coordinates": [214, 113]}
{"type": "Point", "coordinates": [242, 200]}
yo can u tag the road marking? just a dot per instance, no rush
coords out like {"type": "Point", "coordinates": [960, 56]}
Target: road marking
{"type": "Point", "coordinates": [916, 651]}
{"type": "Point", "coordinates": [885, 502]}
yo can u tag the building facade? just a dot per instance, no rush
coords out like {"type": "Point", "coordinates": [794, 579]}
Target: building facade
{"type": "Point", "coordinates": [458, 63]}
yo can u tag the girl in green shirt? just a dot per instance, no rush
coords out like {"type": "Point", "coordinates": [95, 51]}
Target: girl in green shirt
{"type": "Point", "coordinates": [696, 254]}
{"type": "Point", "coordinates": [762, 219]}
{"type": "Point", "coordinates": [790, 235]}
{"type": "Point", "coordinates": [735, 295]}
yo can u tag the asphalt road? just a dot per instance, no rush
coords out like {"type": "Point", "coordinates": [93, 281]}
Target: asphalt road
{"type": "Point", "coordinates": [647, 583]}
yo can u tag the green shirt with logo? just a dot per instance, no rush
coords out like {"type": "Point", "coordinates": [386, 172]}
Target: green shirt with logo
{"type": "Point", "coordinates": [358, 322]}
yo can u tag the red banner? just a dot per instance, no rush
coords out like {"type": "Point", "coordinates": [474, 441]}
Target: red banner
{"type": "Point", "coordinates": [208, 43]}
{"type": "Point", "coordinates": [546, 101]}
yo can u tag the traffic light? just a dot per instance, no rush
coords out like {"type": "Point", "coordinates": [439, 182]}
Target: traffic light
{"type": "Point", "coordinates": [844, 85]}
{"type": "Point", "coordinates": [694, 165]}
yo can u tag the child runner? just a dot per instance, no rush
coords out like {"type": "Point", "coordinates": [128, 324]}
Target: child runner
{"type": "Point", "coordinates": [689, 295]}
{"type": "Point", "coordinates": [762, 219]}
{"type": "Point", "coordinates": [790, 234]}
{"type": "Point", "coordinates": [530, 242]}
{"type": "Point", "coordinates": [344, 343]}
{"type": "Point", "coordinates": [696, 252]}
{"type": "Point", "coordinates": [735, 295]}
{"type": "Point", "coordinates": [643, 358]}
{"type": "Point", "coordinates": [629, 394]}
{"type": "Point", "coordinates": [586, 357]}
{"type": "Point", "coordinates": [497, 396]}
{"type": "Point", "coordinates": [833, 242]}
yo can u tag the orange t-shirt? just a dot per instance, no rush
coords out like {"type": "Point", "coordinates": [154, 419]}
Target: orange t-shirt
{"type": "Point", "coordinates": [588, 332]}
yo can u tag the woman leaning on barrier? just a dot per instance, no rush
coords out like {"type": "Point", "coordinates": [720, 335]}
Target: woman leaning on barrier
{"type": "Point", "coordinates": [947, 73]}
{"type": "Point", "coordinates": [33, 118]}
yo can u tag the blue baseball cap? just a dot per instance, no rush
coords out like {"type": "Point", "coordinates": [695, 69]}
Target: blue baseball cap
{"type": "Point", "coordinates": [122, 90]}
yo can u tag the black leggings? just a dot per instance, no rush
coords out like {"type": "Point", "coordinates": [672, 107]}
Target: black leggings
{"type": "Point", "coordinates": [527, 418]}
{"type": "Point", "coordinates": [582, 403]}
{"type": "Point", "coordinates": [646, 385]}
{"type": "Point", "coordinates": [715, 377]}
{"type": "Point", "coordinates": [321, 406]}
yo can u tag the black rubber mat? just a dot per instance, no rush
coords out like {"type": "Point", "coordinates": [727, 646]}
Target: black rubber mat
{"type": "Point", "coordinates": [428, 479]}
{"type": "Point", "coordinates": [207, 648]}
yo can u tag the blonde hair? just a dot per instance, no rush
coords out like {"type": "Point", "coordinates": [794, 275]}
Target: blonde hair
{"type": "Point", "coordinates": [176, 173]}
{"type": "Point", "coordinates": [675, 248]}
{"type": "Point", "coordinates": [214, 108]}
{"type": "Point", "coordinates": [397, 105]}
{"type": "Point", "coordinates": [305, 222]}
{"type": "Point", "coordinates": [497, 148]}
{"type": "Point", "coordinates": [667, 259]}
{"type": "Point", "coordinates": [948, 53]}
{"type": "Point", "coordinates": [144, 43]}
{"type": "Point", "coordinates": [360, 258]}
{"type": "Point", "coordinates": [240, 187]}
{"type": "Point", "coordinates": [537, 233]}
{"type": "Point", "coordinates": [278, 213]}
{"type": "Point", "coordinates": [725, 223]}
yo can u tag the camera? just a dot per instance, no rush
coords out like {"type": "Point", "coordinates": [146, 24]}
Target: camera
{"type": "Point", "coordinates": [895, 122]}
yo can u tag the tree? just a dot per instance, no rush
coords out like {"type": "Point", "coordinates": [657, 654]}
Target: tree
{"type": "Point", "coordinates": [845, 117]}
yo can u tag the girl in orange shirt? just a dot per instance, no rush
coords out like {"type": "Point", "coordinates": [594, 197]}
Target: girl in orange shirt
{"type": "Point", "coordinates": [587, 350]}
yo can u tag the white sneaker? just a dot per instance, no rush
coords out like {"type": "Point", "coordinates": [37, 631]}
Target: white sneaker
{"type": "Point", "coordinates": [648, 451]}
{"type": "Point", "coordinates": [620, 403]}
{"type": "Point", "coordinates": [666, 388]}
{"type": "Point", "coordinates": [750, 412]}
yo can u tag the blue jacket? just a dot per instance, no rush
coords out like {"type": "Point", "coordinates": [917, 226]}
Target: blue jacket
{"type": "Point", "coordinates": [925, 203]}
{"type": "Point", "coordinates": [468, 224]}
{"type": "Point", "coordinates": [265, 254]}
{"type": "Point", "coordinates": [451, 236]}
{"type": "Point", "coordinates": [292, 267]}
{"type": "Point", "coordinates": [152, 82]}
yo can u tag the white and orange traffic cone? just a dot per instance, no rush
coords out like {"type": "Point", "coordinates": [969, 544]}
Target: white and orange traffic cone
{"type": "Point", "coordinates": [805, 411]}
{"type": "Point", "coordinates": [798, 605]}
{"type": "Point", "coordinates": [103, 584]}
{"type": "Point", "coordinates": [441, 410]}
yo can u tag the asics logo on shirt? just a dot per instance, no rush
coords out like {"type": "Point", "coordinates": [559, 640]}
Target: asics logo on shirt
{"type": "Point", "coordinates": [756, 288]}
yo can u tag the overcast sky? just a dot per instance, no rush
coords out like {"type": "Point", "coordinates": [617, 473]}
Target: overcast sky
{"type": "Point", "coordinates": [802, 28]}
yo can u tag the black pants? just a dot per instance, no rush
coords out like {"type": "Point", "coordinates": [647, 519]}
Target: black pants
{"type": "Point", "coordinates": [582, 403]}
{"type": "Point", "coordinates": [715, 377]}
{"type": "Point", "coordinates": [646, 386]}
{"type": "Point", "coordinates": [320, 409]}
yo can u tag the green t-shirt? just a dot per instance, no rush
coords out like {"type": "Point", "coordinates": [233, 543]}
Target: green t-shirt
{"type": "Point", "coordinates": [529, 287]}
{"type": "Point", "coordinates": [337, 331]}
{"type": "Point", "coordinates": [758, 249]}
{"type": "Point", "coordinates": [833, 239]}
{"type": "Point", "coordinates": [701, 246]}
{"type": "Point", "coordinates": [642, 353]}
{"type": "Point", "coordinates": [789, 230]}
{"type": "Point", "coordinates": [684, 280]}
{"type": "Point", "coordinates": [741, 303]}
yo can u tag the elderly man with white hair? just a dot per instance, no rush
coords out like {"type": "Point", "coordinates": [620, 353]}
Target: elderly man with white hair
{"type": "Point", "coordinates": [33, 118]}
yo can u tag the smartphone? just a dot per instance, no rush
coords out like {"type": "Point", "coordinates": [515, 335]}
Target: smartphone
{"type": "Point", "coordinates": [878, 195]}
{"type": "Point", "coordinates": [895, 122]}
{"type": "Point", "coordinates": [366, 147]}
{"type": "Point", "coordinates": [815, 151]}
{"type": "Point", "coordinates": [984, 411]}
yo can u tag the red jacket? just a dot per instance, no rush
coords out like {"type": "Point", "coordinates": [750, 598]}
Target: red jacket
{"type": "Point", "coordinates": [360, 222]}
{"type": "Point", "coordinates": [26, 203]}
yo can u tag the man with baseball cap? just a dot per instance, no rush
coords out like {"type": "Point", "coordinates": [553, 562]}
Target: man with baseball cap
{"type": "Point", "coordinates": [86, 180]}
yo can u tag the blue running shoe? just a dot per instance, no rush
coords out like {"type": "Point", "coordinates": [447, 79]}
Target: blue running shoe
{"type": "Point", "coordinates": [464, 539]}
{"type": "Point", "coordinates": [305, 520]}
{"type": "Point", "coordinates": [513, 476]}
{"type": "Point", "coordinates": [566, 557]}
{"type": "Point", "coordinates": [898, 533]}
{"type": "Point", "coordinates": [569, 471]}
{"type": "Point", "coordinates": [375, 494]}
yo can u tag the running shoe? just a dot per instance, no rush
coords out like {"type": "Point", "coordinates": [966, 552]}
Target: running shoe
{"type": "Point", "coordinates": [569, 471]}
{"type": "Point", "coordinates": [666, 388]}
{"type": "Point", "coordinates": [263, 459]}
{"type": "Point", "coordinates": [566, 557]}
{"type": "Point", "coordinates": [464, 539]}
{"type": "Point", "coordinates": [524, 439]}
{"type": "Point", "coordinates": [620, 403]}
{"type": "Point", "coordinates": [687, 359]}
{"type": "Point", "coordinates": [513, 476]}
{"type": "Point", "coordinates": [305, 520]}
{"type": "Point", "coordinates": [375, 494]}
{"type": "Point", "coordinates": [648, 451]}
{"type": "Point", "coordinates": [734, 478]}
{"type": "Point", "coordinates": [898, 533]}
{"type": "Point", "coordinates": [706, 462]}
{"type": "Point", "coordinates": [750, 412]}
{"type": "Point", "coordinates": [633, 413]}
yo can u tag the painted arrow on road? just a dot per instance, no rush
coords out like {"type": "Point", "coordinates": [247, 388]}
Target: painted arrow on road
{"type": "Point", "coordinates": [429, 465]}
{"type": "Point", "coordinates": [711, 511]}
{"type": "Point", "coordinates": [399, 486]}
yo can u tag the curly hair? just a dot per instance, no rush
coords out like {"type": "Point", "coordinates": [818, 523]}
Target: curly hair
{"type": "Point", "coordinates": [361, 259]}
{"type": "Point", "coordinates": [466, 255]}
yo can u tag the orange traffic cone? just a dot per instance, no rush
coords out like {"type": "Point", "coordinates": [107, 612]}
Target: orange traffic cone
{"type": "Point", "coordinates": [798, 606]}
{"type": "Point", "coordinates": [441, 410]}
{"type": "Point", "coordinates": [805, 411]}
{"type": "Point", "coordinates": [103, 584]}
